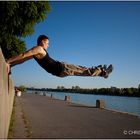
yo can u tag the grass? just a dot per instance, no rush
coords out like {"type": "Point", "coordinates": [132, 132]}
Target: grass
{"type": "Point", "coordinates": [26, 127]}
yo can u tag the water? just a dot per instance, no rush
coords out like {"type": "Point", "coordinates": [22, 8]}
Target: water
{"type": "Point", "coordinates": [124, 104]}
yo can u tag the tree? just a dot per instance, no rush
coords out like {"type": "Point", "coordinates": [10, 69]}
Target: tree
{"type": "Point", "coordinates": [62, 87]}
{"type": "Point", "coordinates": [22, 88]}
{"type": "Point", "coordinates": [58, 87]}
{"type": "Point", "coordinates": [17, 19]}
{"type": "Point", "coordinates": [139, 86]}
{"type": "Point", "coordinates": [75, 87]}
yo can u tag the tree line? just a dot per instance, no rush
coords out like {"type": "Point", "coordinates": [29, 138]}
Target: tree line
{"type": "Point", "coordinates": [114, 91]}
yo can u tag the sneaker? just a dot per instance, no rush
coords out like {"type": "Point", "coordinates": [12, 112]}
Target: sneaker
{"type": "Point", "coordinates": [107, 71]}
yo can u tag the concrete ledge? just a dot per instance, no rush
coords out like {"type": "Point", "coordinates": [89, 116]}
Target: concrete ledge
{"type": "Point", "coordinates": [6, 98]}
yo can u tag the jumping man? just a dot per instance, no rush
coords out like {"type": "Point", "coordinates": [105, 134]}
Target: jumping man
{"type": "Point", "coordinates": [60, 69]}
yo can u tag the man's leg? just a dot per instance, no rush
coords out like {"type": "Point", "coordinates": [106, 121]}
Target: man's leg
{"type": "Point", "coordinates": [75, 70]}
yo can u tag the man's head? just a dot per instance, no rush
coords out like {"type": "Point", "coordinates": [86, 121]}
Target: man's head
{"type": "Point", "coordinates": [40, 38]}
{"type": "Point", "coordinates": [43, 41]}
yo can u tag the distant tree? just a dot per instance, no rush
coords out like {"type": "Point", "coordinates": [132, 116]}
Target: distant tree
{"type": "Point", "coordinates": [22, 88]}
{"type": "Point", "coordinates": [17, 19]}
{"type": "Point", "coordinates": [139, 87]}
{"type": "Point", "coordinates": [75, 87]}
{"type": "Point", "coordinates": [129, 91]}
{"type": "Point", "coordinates": [62, 87]}
{"type": "Point", "coordinates": [58, 87]}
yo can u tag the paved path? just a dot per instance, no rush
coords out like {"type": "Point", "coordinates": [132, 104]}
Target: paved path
{"type": "Point", "coordinates": [42, 117]}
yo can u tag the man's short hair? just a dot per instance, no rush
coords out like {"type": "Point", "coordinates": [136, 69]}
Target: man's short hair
{"type": "Point", "coordinates": [40, 38]}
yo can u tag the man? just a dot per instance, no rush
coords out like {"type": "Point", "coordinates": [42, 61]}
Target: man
{"type": "Point", "coordinates": [60, 69]}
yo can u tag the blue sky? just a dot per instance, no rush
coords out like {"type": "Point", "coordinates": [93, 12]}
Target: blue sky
{"type": "Point", "coordinates": [88, 34]}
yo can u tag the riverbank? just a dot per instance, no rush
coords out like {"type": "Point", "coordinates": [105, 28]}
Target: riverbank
{"type": "Point", "coordinates": [124, 104]}
{"type": "Point", "coordinates": [113, 91]}
{"type": "Point", "coordinates": [45, 117]}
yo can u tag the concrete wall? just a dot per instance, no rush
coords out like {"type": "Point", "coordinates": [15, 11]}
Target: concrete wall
{"type": "Point", "coordinates": [6, 98]}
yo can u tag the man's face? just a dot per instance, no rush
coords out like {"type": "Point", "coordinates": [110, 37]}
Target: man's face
{"type": "Point", "coordinates": [45, 43]}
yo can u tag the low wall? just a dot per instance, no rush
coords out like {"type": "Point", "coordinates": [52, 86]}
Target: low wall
{"type": "Point", "coordinates": [6, 98]}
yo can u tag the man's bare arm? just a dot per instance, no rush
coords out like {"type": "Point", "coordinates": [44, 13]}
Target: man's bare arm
{"type": "Point", "coordinates": [23, 56]}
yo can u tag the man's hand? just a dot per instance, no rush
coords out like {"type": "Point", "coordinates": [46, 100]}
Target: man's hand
{"type": "Point", "coordinates": [8, 68]}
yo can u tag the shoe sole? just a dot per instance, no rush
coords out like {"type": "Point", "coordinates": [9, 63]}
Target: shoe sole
{"type": "Point", "coordinates": [108, 71]}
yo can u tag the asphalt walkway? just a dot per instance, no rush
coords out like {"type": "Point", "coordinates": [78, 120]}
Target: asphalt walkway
{"type": "Point", "coordinates": [38, 116]}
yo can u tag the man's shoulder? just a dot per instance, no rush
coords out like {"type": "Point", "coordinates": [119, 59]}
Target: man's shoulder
{"type": "Point", "coordinates": [37, 49]}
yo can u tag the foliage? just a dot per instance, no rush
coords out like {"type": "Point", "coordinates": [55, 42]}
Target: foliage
{"type": "Point", "coordinates": [17, 19]}
{"type": "Point", "coordinates": [22, 88]}
{"type": "Point", "coordinates": [61, 87]}
{"type": "Point", "coordinates": [132, 92]}
{"type": "Point", "coordinates": [139, 87]}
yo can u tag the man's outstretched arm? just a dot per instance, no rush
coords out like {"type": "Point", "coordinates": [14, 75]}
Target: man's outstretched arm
{"type": "Point", "coordinates": [18, 59]}
{"type": "Point", "coordinates": [23, 56]}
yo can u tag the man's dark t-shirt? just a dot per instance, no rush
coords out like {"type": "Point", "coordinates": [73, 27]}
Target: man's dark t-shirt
{"type": "Point", "coordinates": [50, 65]}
